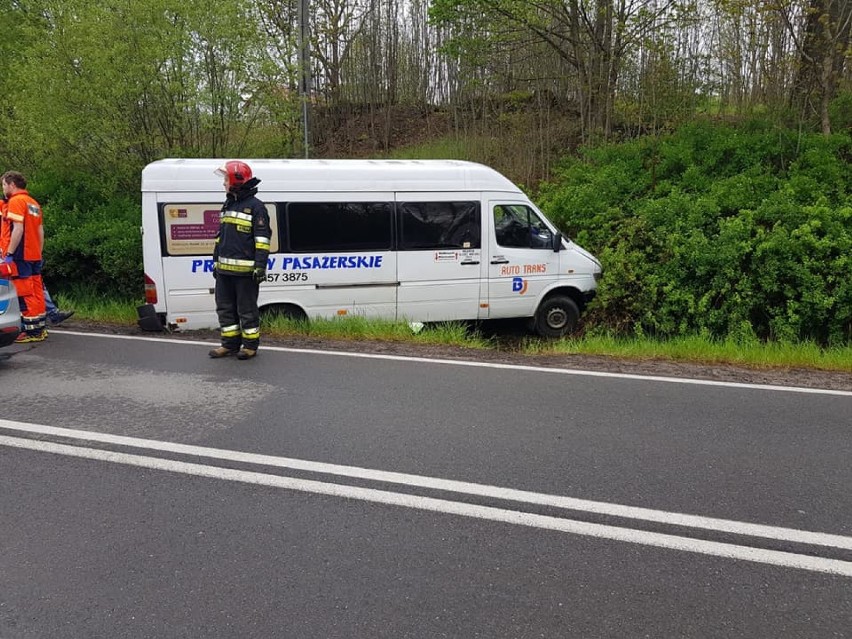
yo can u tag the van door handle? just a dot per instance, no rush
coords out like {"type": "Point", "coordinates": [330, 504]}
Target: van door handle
{"type": "Point", "coordinates": [469, 262]}
{"type": "Point", "coordinates": [502, 260]}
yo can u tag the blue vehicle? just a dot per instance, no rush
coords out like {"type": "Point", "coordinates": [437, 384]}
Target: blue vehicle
{"type": "Point", "coordinates": [10, 313]}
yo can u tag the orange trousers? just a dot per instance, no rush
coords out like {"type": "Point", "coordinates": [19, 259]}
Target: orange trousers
{"type": "Point", "coordinates": [31, 296]}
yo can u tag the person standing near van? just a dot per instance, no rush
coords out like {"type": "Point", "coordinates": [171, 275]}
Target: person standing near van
{"type": "Point", "coordinates": [54, 314]}
{"type": "Point", "coordinates": [239, 262]}
{"type": "Point", "coordinates": [24, 244]}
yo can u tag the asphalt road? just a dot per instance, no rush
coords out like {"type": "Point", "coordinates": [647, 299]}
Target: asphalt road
{"type": "Point", "coordinates": [148, 491]}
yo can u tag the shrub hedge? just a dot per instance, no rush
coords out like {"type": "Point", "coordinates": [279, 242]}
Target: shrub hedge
{"type": "Point", "coordinates": [730, 231]}
{"type": "Point", "coordinates": [91, 240]}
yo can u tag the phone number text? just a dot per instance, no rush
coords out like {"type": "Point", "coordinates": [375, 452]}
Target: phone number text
{"type": "Point", "coordinates": [287, 277]}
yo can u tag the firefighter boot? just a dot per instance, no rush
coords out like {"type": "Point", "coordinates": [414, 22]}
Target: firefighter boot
{"type": "Point", "coordinates": [221, 351]}
{"type": "Point", "coordinates": [246, 353]}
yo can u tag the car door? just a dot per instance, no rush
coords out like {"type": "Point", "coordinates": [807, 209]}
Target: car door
{"type": "Point", "coordinates": [521, 261]}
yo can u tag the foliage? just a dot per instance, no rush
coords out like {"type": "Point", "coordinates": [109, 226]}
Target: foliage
{"type": "Point", "coordinates": [91, 304]}
{"type": "Point", "coordinates": [840, 111]}
{"type": "Point", "coordinates": [91, 241]}
{"type": "Point", "coordinates": [354, 327]}
{"type": "Point", "coordinates": [738, 232]}
{"type": "Point", "coordinates": [696, 348]}
{"type": "Point", "coordinates": [99, 89]}
{"type": "Point", "coordinates": [730, 231]}
{"type": "Point", "coordinates": [96, 90]}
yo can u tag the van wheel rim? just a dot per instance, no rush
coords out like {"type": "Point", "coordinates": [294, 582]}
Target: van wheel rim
{"type": "Point", "coordinates": [557, 318]}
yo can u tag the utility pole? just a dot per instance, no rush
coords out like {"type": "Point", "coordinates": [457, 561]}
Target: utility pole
{"type": "Point", "coordinates": [305, 68]}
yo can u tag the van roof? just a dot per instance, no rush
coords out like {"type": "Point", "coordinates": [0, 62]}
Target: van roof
{"type": "Point", "coordinates": [194, 175]}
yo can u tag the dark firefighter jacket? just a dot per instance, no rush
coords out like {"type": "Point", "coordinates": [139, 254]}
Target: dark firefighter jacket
{"type": "Point", "coordinates": [242, 243]}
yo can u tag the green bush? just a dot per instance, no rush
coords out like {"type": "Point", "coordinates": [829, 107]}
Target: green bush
{"type": "Point", "coordinates": [91, 240]}
{"type": "Point", "coordinates": [722, 230]}
{"type": "Point", "coordinates": [840, 112]}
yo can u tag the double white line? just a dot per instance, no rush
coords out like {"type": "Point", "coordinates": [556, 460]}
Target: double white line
{"type": "Point", "coordinates": [603, 531]}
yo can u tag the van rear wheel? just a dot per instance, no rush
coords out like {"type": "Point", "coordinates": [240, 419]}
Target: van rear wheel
{"type": "Point", "coordinates": [557, 316]}
{"type": "Point", "coordinates": [284, 311]}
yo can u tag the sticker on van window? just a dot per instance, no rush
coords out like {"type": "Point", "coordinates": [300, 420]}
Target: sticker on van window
{"type": "Point", "coordinates": [190, 229]}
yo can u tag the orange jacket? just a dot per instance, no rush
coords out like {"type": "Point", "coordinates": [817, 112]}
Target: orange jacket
{"type": "Point", "coordinates": [23, 209]}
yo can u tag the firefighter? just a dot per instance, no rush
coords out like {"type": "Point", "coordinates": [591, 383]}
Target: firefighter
{"type": "Point", "coordinates": [239, 262]}
{"type": "Point", "coordinates": [23, 243]}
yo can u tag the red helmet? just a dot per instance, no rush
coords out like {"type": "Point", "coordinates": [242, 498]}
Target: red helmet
{"type": "Point", "coordinates": [235, 172]}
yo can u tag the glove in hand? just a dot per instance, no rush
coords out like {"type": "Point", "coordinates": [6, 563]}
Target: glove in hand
{"type": "Point", "coordinates": [259, 275]}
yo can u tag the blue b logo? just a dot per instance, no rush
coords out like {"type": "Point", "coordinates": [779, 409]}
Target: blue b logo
{"type": "Point", "coordinates": [519, 285]}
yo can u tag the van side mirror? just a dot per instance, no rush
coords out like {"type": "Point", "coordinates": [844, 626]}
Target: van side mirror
{"type": "Point", "coordinates": [557, 242]}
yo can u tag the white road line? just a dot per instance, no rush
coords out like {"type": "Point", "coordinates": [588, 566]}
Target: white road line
{"type": "Point", "coordinates": [729, 551]}
{"type": "Point", "coordinates": [467, 488]}
{"type": "Point", "coordinates": [514, 367]}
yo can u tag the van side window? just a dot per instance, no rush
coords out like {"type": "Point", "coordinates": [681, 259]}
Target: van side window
{"type": "Point", "coordinates": [519, 226]}
{"type": "Point", "coordinates": [439, 225]}
{"type": "Point", "coordinates": [338, 226]}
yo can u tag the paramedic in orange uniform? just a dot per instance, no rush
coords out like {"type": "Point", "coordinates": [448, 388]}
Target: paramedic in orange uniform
{"type": "Point", "coordinates": [25, 244]}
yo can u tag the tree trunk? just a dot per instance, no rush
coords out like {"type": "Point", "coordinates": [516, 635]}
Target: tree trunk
{"type": "Point", "coordinates": [823, 53]}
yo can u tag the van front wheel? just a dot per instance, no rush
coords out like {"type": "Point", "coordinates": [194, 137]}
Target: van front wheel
{"type": "Point", "coordinates": [557, 316]}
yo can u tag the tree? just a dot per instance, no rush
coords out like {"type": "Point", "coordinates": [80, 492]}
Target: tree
{"type": "Point", "coordinates": [591, 36]}
{"type": "Point", "coordinates": [823, 47]}
{"type": "Point", "coordinates": [104, 87]}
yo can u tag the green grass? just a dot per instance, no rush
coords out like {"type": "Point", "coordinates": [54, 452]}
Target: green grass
{"type": "Point", "coordinates": [359, 328]}
{"type": "Point", "coordinates": [96, 307]}
{"type": "Point", "coordinates": [705, 351]}
{"type": "Point", "coordinates": [90, 306]}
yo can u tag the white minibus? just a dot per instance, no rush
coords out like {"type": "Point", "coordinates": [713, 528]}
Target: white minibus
{"type": "Point", "coordinates": [410, 240]}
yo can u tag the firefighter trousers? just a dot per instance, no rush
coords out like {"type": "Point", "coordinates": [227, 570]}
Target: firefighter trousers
{"type": "Point", "coordinates": [236, 306]}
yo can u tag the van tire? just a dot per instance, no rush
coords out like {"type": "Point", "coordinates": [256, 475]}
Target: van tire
{"type": "Point", "coordinates": [287, 311]}
{"type": "Point", "coordinates": [556, 316]}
